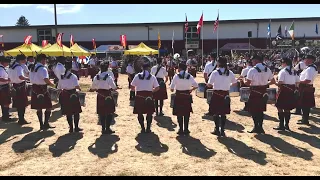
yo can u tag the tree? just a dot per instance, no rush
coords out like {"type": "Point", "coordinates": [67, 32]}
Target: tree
{"type": "Point", "coordinates": [22, 21]}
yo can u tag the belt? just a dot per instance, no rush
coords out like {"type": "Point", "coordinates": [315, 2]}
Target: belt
{"type": "Point", "coordinates": [306, 85]}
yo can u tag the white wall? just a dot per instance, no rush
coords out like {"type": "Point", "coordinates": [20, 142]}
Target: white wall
{"type": "Point", "coordinates": [18, 35]}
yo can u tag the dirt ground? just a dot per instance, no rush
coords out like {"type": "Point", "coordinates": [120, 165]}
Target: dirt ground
{"type": "Point", "coordinates": [25, 151]}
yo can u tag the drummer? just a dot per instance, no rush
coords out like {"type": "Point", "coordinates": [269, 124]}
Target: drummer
{"type": "Point", "coordinates": [208, 69]}
{"type": "Point", "coordinates": [145, 84]}
{"type": "Point", "coordinates": [131, 73]}
{"type": "Point", "coordinates": [18, 80]}
{"type": "Point", "coordinates": [5, 98]}
{"type": "Point", "coordinates": [286, 101]}
{"type": "Point", "coordinates": [243, 75]}
{"type": "Point", "coordinates": [306, 88]}
{"type": "Point", "coordinates": [171, 68]}
{"type": "Point", "coordinates": [220, 80]}
{"type": "Point", "coordinates": [191, 65]}
{"type": "Point", "coordinates": [68, 84]}
{"type": "Point", "coordinates": [103, 83]}
{"type": "Point", "coordinates": [160, 73]}
{"type": "Point", "coordinates": [184, 83]}
{"type": "Point", "coordinates": [59, 69]}
{"type": "Point", "coordinates": [40, 98]}
{"type": "Point", "coordinates": [115, 71]}
{"type": "Point", "coordinates": [76, 67]}
{"type": "Point", "coordinates": [259, 78]}
{"type": "Point", "coordinates": [299, 67]}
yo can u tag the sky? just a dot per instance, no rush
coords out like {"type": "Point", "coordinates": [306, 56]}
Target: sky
{"type": "Point", "coordinates": [42, 14]}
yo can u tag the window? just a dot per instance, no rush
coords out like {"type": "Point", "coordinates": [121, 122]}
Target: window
{"type": "Point", "coordinates": [192, 33]}
{"type": "Point", "coordinates": [44, 34]}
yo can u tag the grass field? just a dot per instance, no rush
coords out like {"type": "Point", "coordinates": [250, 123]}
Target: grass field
{"type": "Point", "coordinates": [25, 151]}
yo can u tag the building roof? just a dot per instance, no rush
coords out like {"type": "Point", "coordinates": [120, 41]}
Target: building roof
{"type": "Point", "coordinates": [161, 23]}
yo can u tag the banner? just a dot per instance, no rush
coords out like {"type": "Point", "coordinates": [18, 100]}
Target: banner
{"type": "Point", "coordinates": [123, 40]}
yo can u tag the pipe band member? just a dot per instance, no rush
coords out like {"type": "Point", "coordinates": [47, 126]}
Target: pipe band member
{"type": "Point", "coordinates": [171, 68]}
{"type": "Point", "coordinates": [145, 84]}
{"type": "Point", "coordinates": [259, 78]}
{"type": "Point", "coordinates": [299, 67]}
{"type": "Point", "coordinates": [18, 79]}
{"type": "Point", "coordinates": [114, 66]}
{"type": "Point", "coordinates": [184, 83]}
{"type": "Point", "coordinates": [5, 98]}
{"type": "Point", "coordinates": [103, 84]}
{"type": "Point", "coordinates": [192, 64]}
{"type": "Point", "coordinates": [288, 94]}
{"type": "Point", "coordinates": [160, 73]}
{"type": "Point", "coordinates": [59, 69]}
{"type": "Point", "coordinates": [75, 67]}
{"type": "Point", "coordinates": [208, 69]}
{"type": "Point", "coordinates": [69, 98]}
{"type": "Point", "coordinates": [40, 98]}
{"type": "Point", "coordinates": [220, 80]}
{"type": "Point", "coordinates": [131, 73]}
{"type": "Point", "coordinates": [243, 76]}
{"type": "Point", "coordinates": [306, 88]}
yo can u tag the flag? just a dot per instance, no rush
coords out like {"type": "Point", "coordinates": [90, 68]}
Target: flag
{"type": "Point", "coordinates": [28, 40]}
{"type": "Point", "coordinates": [71, 40]}
{"type": "Point", "coordinates": [94, 44]}
{"type": "Point", "coordinates": [269, 29]}
{"type": "Point", "coordinates": [317, 29]}
{"type": "Point", "coordinates": [123, 40]}
{"type": "Point", "coordinates": [285, 31]}
{"type": "Point", "coordinates": [200, 24]}
{"type": "Point", "coordinates": [291, 30]}
{"type": "Point", "coordinates": [59, 39]}
{"type": "Point", "coordinates": [172, 40]}
{"type": "Point", "coordinates": [186, 25]}
{"type": "Point", "coordinates": [44, 43]}
{"type": "Point", "coordinates": [216, 24]}
{"type": "Point", "coordinates": [2, 42]}
{"type": "Point", "coordinates": [159, 40]}
{"type": "Point", "coordinates": [279, 34]}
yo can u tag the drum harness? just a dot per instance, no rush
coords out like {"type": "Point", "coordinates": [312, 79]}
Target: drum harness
{"type": "Point", "coordinates": [39, 96]}
{"type": "Point", "coordinates": [227, 99]}
{"type": "Point", "coordinates": [161, 83]}
{"type": "Point", "coordinates": [108, 99]}
{"type": "Point", "coordinates": [183, 77]}
{"type": "Point", "coordinates": [265, 96]}
{"type": "Point", "coordinates": [214, 68]}
{"type": "Point", "coordinates": [295, 91]}
{"type": "Point", "coordinates": [21, 85]}
{"type": "Point", "coordinates": [73, 94]}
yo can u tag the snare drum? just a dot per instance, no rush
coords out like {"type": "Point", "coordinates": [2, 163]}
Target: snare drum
{"type": "Point", "coordinates": [82, 98]}
{"type": "Point", "coordinates": [245, 92]}
{"type": "Point", "coordinates": [115, 96]}
{"type": "Point", "coordinates": [201, 90]}
{"type": "Point", "coordinates": [209, 95]}
{"type": "Point", "coordinates": [234, 90]}
{"type": "Point", "coordinates": [54, 94]}
{"type": "Point", "coordinates": [173, 96]}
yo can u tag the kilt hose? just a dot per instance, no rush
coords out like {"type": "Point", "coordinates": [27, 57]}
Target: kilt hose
{"type": "Point", "coordinates": [217, 104]}
{"type": "Point", "coordinates": [182, 103]}
{"type": "Point", "coordinates": [20, 98]}
{"type": "Point", "coordinates": [141, 106]}
{"type": "Point", "coordinates": [255, 102]}
{"type": "Point", "coordinates": [285, 97]}
{"type": "Point", "coordinates": [104, 108]}
{"type": "Point", "coordinates": [307, 99]}
{"type": "Point", "coordinates": [5, 97]}
{"type": "Point", "coordinates": [69, 107]}
{"type": "Point", "coordinates": [40, 98]}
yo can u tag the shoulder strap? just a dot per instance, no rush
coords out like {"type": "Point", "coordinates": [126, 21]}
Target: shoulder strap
{"type": "Point", "coordinates": [158, 69]}
{"type": "Point", "coordinates": [314, 66]}
{"type": "Point", "coordinates": [69, 76]}
{"type": "Point", "coordinates": [258, 69]}
{"type": "Point", "coordinates": [36, 70]}
{"type": "Point", "coordinates": [214, 68]}
{"type": "Point", "coordinates": [104, 78]}
{"type": "Point", "coordinates": [16, 65]}
{"type": "Point", "coordinates": [299, 66]}
{"type": "Point", "coordinates": [149, 77]}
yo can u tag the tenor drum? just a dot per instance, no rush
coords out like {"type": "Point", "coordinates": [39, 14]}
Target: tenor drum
{"type": "Point", "coordinates": [29, 89]}
{"type": "Point", "coordinates": [173, 96]}
{"type": "Point", "coordinates": [209, 95]}
{"type": "Point", "coordinates": [82, 98]}
{"type": "Point", "coordinates": [201, 90]}
{"type": "Point", "coordinates": [115, 96]}
{"type": "Point", "coordinates": [234, 90]}
{"type": "Point", "coordinates": [245, 92]}
{"type": "Point", "coordinates": [54, 94]}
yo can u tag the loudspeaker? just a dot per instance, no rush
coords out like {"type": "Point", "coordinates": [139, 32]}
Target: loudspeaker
{"type": "Point", "coordinates": [249, 34]}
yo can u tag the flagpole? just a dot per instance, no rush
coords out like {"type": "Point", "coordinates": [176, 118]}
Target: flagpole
{"type": "Point", "coordinates": [218, 37]}
{"type": "Point", "coordinates": [186, 44]}
{"type": "Point", "coordinates": [270, 36]}
{"type": "Point", "coordinates": [202, 37]}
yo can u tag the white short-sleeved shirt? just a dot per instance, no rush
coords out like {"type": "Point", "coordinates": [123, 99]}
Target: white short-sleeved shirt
{"type": "Point", "coordinates": [114, 64]}
{"type": "Point", "coordinates": [110, 73]}
{"type": "Point", "coordinates": [39, 76]}
{"type": "Point", "coordinates": [286, 78]}
{"type": "Point", "coordinates": [75, 66]}
{"type": "Point", "coordinates": [259, 79]}
{"type": "Point", "coordinates": [162, 72]}
{"type": "Point", "coordinates": [92, 62]}
{"type": "Point", "coordinates": [25, 70]}
{"type": "Point", "coordinates": [183, 84]}
{"type": "Point", "coordinates": [309, 73]}
{"type": "Point", "coordinates": [210, 67]}
{"type": "Point", "coordinates": [170, 63]}
{"type": "Point", "coordinates": [3, 74]}
{"type": "Point", "coordinates": [300, 66]}
{"type": "Point", "coordinates": [103, 84]}
{"type": "Point", "coordinates": [15, 73]}
{"type": "Point", "coordinates": [221, 82]}
{"type": "Point", "coordinates": [144, 84]}
{"type": "Point", "coordinates": [245, 71]}
{"type": "Point", "coordinates": [59, 70]}
{"type": "Point", "coordinates": [130, 69]}
{"type": "Point", "coordinates": [68, 84]}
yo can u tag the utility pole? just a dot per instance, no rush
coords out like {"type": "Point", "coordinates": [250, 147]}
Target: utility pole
{"type": "Point", "coordinates": [55, 19]}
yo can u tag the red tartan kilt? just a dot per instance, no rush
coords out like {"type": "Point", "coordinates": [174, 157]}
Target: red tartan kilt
{"type": "Point", "coordinates": [102, 108]}
{"type": "Point", "coordinates": [92, 71]}
{"type": "Point", "coordinates": [193, 71]}
{"type": "Point", "coordinates": [217, 105]}
{"type": "Point", "coordinates": [20, 100]}
{"type": "Point", "coordinates": [115, 73]}
{"type": "Point", "coordinates": [285, 98]}
{"type": "Point", "coordinates": [140, 106]}
{"type": "Point", "coordinates": [161, 94]}
{"type": "Point", "coordinates": [171, 72]}
{"type": "Point", "coordinates": [68, 107]}
{"type": "Point", "coordinates": [40, 89]}
{"type": "Point", "coordinates": [182, 104]}
{"type": "Point", "coordinates": [5, 98]}
{"type": "Point", "coordinates": [307, 99]}
{"type": "Point", "coordinates": [255, 102]}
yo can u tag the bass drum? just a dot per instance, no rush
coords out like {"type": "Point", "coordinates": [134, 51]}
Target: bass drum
{"type": "Point", "coordinates": [137, 64]}
{"type": "Point", "coordinates": [201, 90]}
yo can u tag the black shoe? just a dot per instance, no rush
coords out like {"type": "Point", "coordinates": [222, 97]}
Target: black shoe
{"type": "Point", "coordinates": [78, 129]}
{"type": "Point", "coordinates": [71, 130]}
{"type": "Point", "coordinates": [180, 132]}
{"type": "Point", "coordinates": [303, 122]}
{"type": "Point", "coordinates": [254, 130]}
{"type": "Point", "coordinates": [47, 126]}
{"type": "Point", "coordinates": [23, 122]}
{"type": "Point", "coordinates": [104, 132]}
{"type": "Point", "coordinates": [216, 132]}
{"type": "Point", "coordinates": [297, 113]}
{"type": "Point", "coordinates": [186, 132]}
{"type": "Point", "coordinates": [287, 128]}
{"type": "Point", "coordinates": [109, 131]}
{"type": "Point", "coordinates": [161, 114]}
{"type": "Point", "coordinates": [148, 131]}
{"type": "Point", "coordinates": [207, 114]}
{"type": "Point", "coordinates": [157, 114]}
{"type": "Point", "coordinates": [222, 133]}
{"type": "Point", "coordinates": [8, 120]}
{"type": "Point", "coordinates": [279, 128]}
{"type": "Point", "coordinates": [143, 131]}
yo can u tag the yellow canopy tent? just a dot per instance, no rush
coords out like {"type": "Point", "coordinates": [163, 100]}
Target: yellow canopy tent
{"type": "Point", "coordinates": [26, 49]}
{"type": "Point", "coordinates": [48, 45]}
{"type": "Point", "coordinates": [141, 49]}
{"type": "Point", "coordinates": [77, 48]}
{"type": "Point", "coordinates": [56, 50]}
